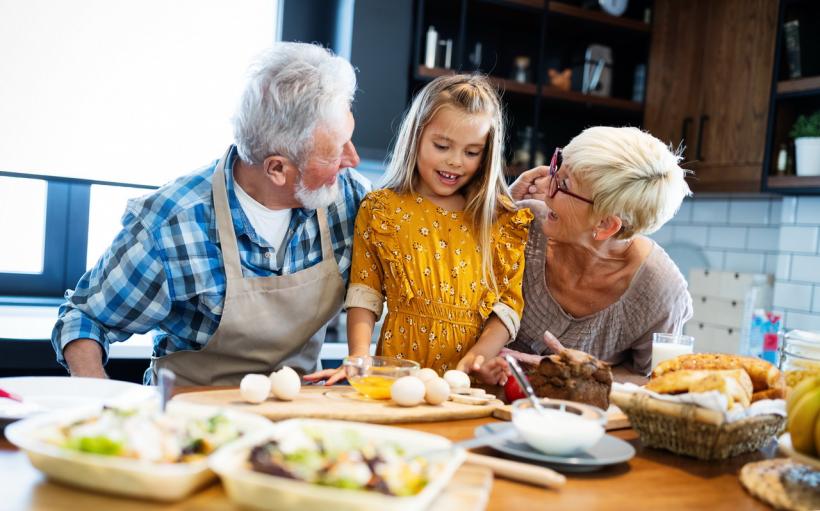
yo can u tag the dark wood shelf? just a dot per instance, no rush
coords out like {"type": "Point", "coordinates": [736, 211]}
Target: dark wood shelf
{"type": "Point", "coordinates": [551, 92]}
{"type": "Point", "coordinates": [793, 182]}
{"type": "Point", "coordinates": [548, 92]}
{"type": "Point", "coordinates": [809, 84]}
{"type": "Point", "coordinates": [595, 16]}
{"type": "Point", "coordinates": [572, 11]}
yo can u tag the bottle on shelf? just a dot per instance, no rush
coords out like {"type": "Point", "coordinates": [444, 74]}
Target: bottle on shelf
{"type": "Point", "coordinates": [431, 47]}
{"type": "Point", "coordinates": [782, 160]}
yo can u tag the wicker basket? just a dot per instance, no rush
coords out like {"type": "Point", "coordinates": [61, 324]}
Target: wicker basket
{"type": "Point", "coordinates": [693, 431]}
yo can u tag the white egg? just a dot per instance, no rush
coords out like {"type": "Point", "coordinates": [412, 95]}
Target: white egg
{"type": "Point", "coordinates": [254, 388]}
{"type": "Point", "coordinates": [407, 391]}
{"type": "Point", "coordinates": [437, 390]}
{"type": "Point", "coordinates": [426, 374]}
{"type": "Point", "coordinates": [458, 380]}
{"type": "Point", "coordinates": [285, 384]}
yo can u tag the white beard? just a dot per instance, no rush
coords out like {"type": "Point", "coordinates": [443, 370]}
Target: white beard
{"type": "Point", "coordinates": [315, 199]}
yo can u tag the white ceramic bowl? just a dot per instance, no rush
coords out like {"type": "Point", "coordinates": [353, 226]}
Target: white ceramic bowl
{"type": "Point", "coordinates": [117, 475]}
{"type": "Point", "coordinates": [263, 491]}
{"type": "Point", "coordinates": [556, 432]}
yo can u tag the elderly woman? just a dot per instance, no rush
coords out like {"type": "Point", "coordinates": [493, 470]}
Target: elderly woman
{"type": "Point", "coordinates": [593, 281]}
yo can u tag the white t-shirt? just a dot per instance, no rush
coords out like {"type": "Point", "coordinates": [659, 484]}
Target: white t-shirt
{"type": "Point", "coordinates": [270, 224]}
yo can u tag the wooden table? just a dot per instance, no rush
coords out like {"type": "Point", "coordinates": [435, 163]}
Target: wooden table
{"type": "Point", "coordinates": [654, 479]}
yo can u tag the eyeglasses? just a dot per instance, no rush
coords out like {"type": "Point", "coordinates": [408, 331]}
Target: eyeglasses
{"type": "Point", "coordinates": [555, 185]}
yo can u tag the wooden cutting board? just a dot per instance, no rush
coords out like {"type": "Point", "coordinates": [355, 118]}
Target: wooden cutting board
{"type": "Point", "coordinates": [615, 418]}
{"type": "Point", "coordinates": [469, 490]}
{"type": "Point", "coordinates": [341, 403]}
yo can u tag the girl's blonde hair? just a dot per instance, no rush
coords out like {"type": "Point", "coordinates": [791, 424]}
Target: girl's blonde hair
{"type": "Point", "coordinates": [631, 174]}
{"type": "Point", "coordinates": [487, 192]}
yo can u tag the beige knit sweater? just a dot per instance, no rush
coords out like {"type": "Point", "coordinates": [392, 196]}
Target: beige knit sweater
{"type": "Point", "coordinates": [657, 300]}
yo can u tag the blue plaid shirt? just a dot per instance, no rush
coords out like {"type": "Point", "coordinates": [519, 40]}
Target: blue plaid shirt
{"type": "Point", "coordinates": [164, 270]}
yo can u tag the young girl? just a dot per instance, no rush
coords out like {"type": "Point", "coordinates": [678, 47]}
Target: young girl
{"type": "Point", "coordinates": [442, 243]}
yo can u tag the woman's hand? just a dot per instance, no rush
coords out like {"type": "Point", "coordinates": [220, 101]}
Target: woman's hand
{"type": "Point", "coordinates": [491, 372]}
{"type": "Point", "coordinates": [552, 342]}
{"type": "Point", "coordinates": [331, 376]}
{"type": "Point", "coordinates": [531, 184]}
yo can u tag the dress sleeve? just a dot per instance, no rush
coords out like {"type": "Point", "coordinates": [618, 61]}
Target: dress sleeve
{"type": "Point", "coordinates": [365, 289]}
{"type": "Point", "coordinates": [508, 264]}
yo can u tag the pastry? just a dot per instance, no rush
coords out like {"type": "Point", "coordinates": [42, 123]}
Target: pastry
{"type": "Point", "coordinates": [573, 375]}
{"type": "Point", "coordinates": [735, 384]}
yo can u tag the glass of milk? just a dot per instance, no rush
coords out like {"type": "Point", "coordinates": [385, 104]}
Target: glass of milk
{"type": "Point", "coordinates": [666, 346]}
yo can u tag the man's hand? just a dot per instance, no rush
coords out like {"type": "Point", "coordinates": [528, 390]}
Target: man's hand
{"type": "Point", "coordinates": [531, 184]}
{"type": "Point", "coordinates": [84, 358]}
{"type": "Point", "coordinates": [331, 376]}
{"type": "Point", "coordinates": [492, 372]}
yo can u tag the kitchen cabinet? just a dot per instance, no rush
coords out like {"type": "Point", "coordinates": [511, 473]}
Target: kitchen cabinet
{"type": "Point", "coordinates": [795, 92]}
{"type": "Point", "coordinates": [709, 87]}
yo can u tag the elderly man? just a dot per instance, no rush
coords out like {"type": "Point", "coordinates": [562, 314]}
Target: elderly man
{"type": "Point", "coordinates": [240, 265]}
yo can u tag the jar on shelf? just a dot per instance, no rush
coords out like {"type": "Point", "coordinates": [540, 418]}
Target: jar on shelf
{"type": "Point", "coordinates": [800, 356]}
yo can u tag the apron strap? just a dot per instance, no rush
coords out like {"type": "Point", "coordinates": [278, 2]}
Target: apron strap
{"type": "Point", "coordinates": [224, 224]}
{"type": "Point", "coordinates": [324, 230]}
{"type": "Point", "coordinates": [227, 235]}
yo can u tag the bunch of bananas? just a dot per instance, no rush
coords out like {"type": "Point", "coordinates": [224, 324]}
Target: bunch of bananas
{"type": "Point", "coordinates": [803, 408]}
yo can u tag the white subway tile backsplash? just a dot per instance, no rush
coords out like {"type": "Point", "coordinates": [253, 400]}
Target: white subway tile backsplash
{"type": "Point", "coordinates": [744, 262]}
{"type": "Point", "coordinates": [663, 235]}
{"type": "Point", "coordinates": [749, 212]}
{"type": "Point", "coordinates": [784, 265]}
{"type": "Point", "coordinates": [691, 234]}
{"type": "Point", "coordinates": [798, 239]}
{"type": "Point", "coordinates": [793, 296]}
{"type": "Point", "coordinates": [727, 237]}
{"type": "Point", "coordinates": [815, 307]}
{"type": "Point", "coordinates": [788, 213]}
{"type": "Point", "coordinates": [763, 238]}
{"type": "Point", "coordinates": [806, 268]}
{"type": "Point", "coordinates": [715, 258]}
{"type": "Point", "coordinates": [775, 211]}
{"type": "Point", "coordinates": [770, 266]}
{"type": "Point", "coordinates": [684, 214]}
{"type": "Point", "coordinates": [803, 321]}
{"type": "Point", "coordinates": [808, 210]}
{"type": "Point", "coordinates": [710, 211]}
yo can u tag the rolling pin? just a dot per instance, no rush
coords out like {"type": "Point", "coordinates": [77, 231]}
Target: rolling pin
{"type": "Point", "coordinates": [517, 471]}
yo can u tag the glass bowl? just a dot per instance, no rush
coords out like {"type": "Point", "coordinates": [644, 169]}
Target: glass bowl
{"type": "Point", "coordinates": [372, 376]}
{"type": "Point", "coordinates": [555, 431]}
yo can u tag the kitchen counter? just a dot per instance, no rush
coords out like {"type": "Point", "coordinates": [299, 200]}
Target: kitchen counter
{"type": "Point", "coordinates": [653, 479]}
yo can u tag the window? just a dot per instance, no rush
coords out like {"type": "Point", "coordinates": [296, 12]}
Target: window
{"type": "Point", "coordinates": [111, 91]}
{"type": "Point", "coordinates": [24, 247]}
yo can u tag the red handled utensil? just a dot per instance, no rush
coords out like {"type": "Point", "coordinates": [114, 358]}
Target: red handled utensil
{"type": "Point", "coordinates": [9, 395]}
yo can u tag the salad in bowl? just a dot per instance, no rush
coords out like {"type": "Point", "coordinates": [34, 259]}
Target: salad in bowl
{"type": "Point", "coordinates": [137, 452]}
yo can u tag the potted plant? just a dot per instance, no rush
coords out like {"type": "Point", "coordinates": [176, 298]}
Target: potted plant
{"type": "Point", "coordinates": [806, 134]}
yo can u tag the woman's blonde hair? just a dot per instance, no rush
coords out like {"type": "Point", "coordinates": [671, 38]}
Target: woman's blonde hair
{"type": "Point", "coordinates": [487, 191]}
{"type": "Point", "coordinates": [630, 174]}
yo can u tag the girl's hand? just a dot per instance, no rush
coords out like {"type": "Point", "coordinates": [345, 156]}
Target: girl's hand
{"type": "Point", "coordinates": [531, 184]}
{"type": "Point", "coordinates": [332, 376]}
{"type": "Point", "coordinates": [492, 372]}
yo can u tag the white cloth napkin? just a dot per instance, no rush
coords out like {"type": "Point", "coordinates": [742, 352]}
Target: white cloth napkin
{"type": "Point", "coordinates": [712, 400]}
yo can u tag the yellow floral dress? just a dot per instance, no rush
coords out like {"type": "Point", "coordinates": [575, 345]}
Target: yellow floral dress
{"type": "Point", "coordinates": [426, 262]}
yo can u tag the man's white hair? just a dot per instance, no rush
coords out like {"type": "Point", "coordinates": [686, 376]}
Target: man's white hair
{"type": "Point", "coordinates": [293, 88]}
{"type": "Point", "coordinates": [631, 175]}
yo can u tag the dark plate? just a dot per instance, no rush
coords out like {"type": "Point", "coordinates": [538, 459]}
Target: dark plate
{"type": "Point", "coordinates": [608, 451]}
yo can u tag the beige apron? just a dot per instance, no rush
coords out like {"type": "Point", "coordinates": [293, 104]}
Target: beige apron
{"type": "Point", "coordinates": [267, 322]}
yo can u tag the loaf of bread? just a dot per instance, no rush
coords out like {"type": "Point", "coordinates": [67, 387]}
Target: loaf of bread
{"type": "Point", "coordinates": [575, 376]}
{"type": "Point", "coordinates": [735, 384]}
{"type": "Point", "coordinates": [767, 380]}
